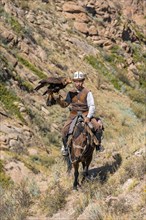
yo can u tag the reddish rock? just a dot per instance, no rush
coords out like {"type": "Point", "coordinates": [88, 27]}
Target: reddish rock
{"type": "Point", "coordinates": [93, 30]}
{"type": "Point", "coordinates": [81, 27]}
{"type": "Point", "coordinates": [72, 7]}
{"type": "Point", "coordinates": [82, 17]}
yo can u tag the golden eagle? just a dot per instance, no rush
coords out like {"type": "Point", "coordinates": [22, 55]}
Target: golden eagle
{"type": "Point", "coordinates": [54, 85]}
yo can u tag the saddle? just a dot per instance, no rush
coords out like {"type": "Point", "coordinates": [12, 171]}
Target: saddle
{"type": "Point", "coordinates": [89, 129]}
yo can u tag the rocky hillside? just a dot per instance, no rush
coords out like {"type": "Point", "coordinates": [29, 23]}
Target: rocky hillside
{"type": "Point", "coordinates": [42, 38]}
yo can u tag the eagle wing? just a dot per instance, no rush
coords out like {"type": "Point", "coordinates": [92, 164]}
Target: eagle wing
{"type": "Point", "coordinates": [49, 81]}
{"type": "Point", "coordinates": [54, 85]}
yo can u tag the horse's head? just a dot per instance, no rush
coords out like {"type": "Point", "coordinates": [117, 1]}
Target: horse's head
{"type": "Point", "coordinates": [79, 139]}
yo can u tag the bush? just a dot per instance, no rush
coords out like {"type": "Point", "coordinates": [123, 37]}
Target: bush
{"type": "Point", "coordinates": [46, 161]}
{"type": "Point", "coordinates": [137, 95]}
{"type": "Point", "coordinates": [15, 202]}
{"type": "Point", "coordinates": [23, 84]}
{"type": "Point", "coordinates": [31, 67]}
{"type": "Point", "coordinates": [8, 98]}
{"type": "Point", "coordinates": [139, 110]}
{"type": "Point", "coordinates": [51, 203]}
{"type": "Point", "coordinates": [12, 21]}
{"type": "Point", "coordinates": [133, 168]}
{"type": "Point", "coordinates": [5, 180]}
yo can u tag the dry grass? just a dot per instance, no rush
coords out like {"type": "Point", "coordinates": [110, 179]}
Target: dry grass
{"type": "Point", "coordinates": [15, 202]}
{"type": "Point", "coordinates": [54, 199]}
{"type": "Point", "coordinates": [124, 134]}
{"type": "Point", "coordinates": [108, 195]}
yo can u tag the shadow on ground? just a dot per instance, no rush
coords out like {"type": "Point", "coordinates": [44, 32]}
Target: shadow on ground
{"type": "Point", "coordinates": [103, 172]}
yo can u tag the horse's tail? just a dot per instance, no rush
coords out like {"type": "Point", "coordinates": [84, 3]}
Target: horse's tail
{"type": "Point", "coordinates": [69, 164]}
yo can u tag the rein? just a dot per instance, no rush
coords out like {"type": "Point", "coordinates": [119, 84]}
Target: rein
{"type": "Point", "coordinates": [86, 149]}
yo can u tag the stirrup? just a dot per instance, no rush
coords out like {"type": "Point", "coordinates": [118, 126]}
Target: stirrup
{"type": "Point", "coordinates": [64, 151]}
{"type": "Point", "coordinates": [99, 148]}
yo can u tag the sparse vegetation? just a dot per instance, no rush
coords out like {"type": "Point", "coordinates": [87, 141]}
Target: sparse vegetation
{"type": "Point", "coordinates": [115, 74]}
{"type": "Point", "coordinates": [135, 168]}
{"type": "Point", "coordinates": [5, 180]}
{"type": "Point", "coordinates": [45, 161]}
{"type": "Point", "coordinates": [22, 4]}
{"type": "Point", "coordinates": [137, 95]}
{"type": "Point", "coordinates": [139, 110]}
{"type": "Point", "coordinates": [31, 67]}
{"type": "Point", "coordinates": [97, 64]}
{"type": "Point", "coordinates": [8, 98]}
{"type": "Point", "coordinates": [12, 21]}
{"type": "Point", "coordinates": [55, 200]}
{"type": "Point", "coordinates": [23, 84]}
{"type": "Point", "coordinates": [15, 202]}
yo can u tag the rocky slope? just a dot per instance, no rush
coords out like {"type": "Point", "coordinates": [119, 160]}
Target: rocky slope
{"type": "Point", "coordinates": [55, 38]}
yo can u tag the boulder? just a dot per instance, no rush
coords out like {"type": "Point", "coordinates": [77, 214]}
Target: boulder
{"type": "Point", "coordinates": [93, 31]}
{"type": "Point", "coordinates": [82, 17]}
{"type": "Point", "coordinates": [81, 27]}
{"type": "Point", "coordinates": [72, 7]}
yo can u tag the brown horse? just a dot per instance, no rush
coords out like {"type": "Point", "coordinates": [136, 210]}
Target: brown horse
{"type": "Point", "coordinates": [81, 145]}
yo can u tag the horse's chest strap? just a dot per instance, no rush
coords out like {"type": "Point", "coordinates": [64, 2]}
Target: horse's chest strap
{"type": "Point", "coordinates": [77, 146]}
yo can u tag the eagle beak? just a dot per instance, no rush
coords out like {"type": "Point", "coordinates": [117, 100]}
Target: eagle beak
{"type": "Point", "coordinates": [68, 81]}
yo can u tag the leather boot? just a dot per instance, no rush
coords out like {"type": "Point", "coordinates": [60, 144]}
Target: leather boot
{"type": "Point", "coordinates": [98, 135]}
{"type": "Point", "coordinates": [64, 147]}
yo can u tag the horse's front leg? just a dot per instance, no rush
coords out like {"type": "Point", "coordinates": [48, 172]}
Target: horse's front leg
{"type": "Point", "coordinates": [85, 171]}
{"type": "Point", "coordinates": [76, 175]}
{"type": "Point", "coordinates": [86, 168]}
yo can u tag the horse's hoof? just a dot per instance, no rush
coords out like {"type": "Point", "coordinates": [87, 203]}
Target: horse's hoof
{"type": "Point", "coordinates": [79, 185]}
{"type": "Point", "coordinates": [75, 188]}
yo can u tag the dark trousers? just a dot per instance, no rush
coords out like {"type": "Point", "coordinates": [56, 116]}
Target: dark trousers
{"type": "Point", "coordinates": [97, 126]}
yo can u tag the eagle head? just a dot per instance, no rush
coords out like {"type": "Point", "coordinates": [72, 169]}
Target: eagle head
{"type": "Point", "coordinates": [68, 81]}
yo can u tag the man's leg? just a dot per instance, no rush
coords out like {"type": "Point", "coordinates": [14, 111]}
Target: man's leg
{"type": "Point", "coordinates": [64, 147]}
{"type": "Point", "coordinates": [98, 135]}
{"type": "Point", "coordinates": [98, 127]}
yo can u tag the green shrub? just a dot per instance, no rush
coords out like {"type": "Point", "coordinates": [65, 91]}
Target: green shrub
{"type": "Point", "coordinates": [97, 64]}
{"type": "Point", "coordinates": [54, 138]}
{"type": "Point", "coordinates": [31, 67]}
{"type": "Point", "coordinates": [46, 161]}
{"type": "Point", "coordinates": [5, 180]}
{"type": "Point", "coordinates": [142, 78]}
{"type": "Point", "coordinates": [139, 110]}
{"type": "Point", "coordinates": [137, 95]}
{"type": "Point", "coordinates": [24, 84]}
{"type": "Point", "coordinates": [8, 98]}
{"type": "Point", "coordinates": [124, 79]}
{"type": "Point", "coordinates": [22, 4]}
{"type": "Point", "coordinates": [109, 58]}
{"type": "Point", "coordinates": [12, 21]}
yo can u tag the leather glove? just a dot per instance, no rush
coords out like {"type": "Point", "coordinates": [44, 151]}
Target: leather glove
{"type": "Point", "coordinates": [86, 120]}
{"type": "Point", "coordinates": [57, 96]}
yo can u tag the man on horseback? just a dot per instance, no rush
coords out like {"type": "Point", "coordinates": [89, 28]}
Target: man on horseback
{"type": "Point", "coordinates": [80, 99]}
